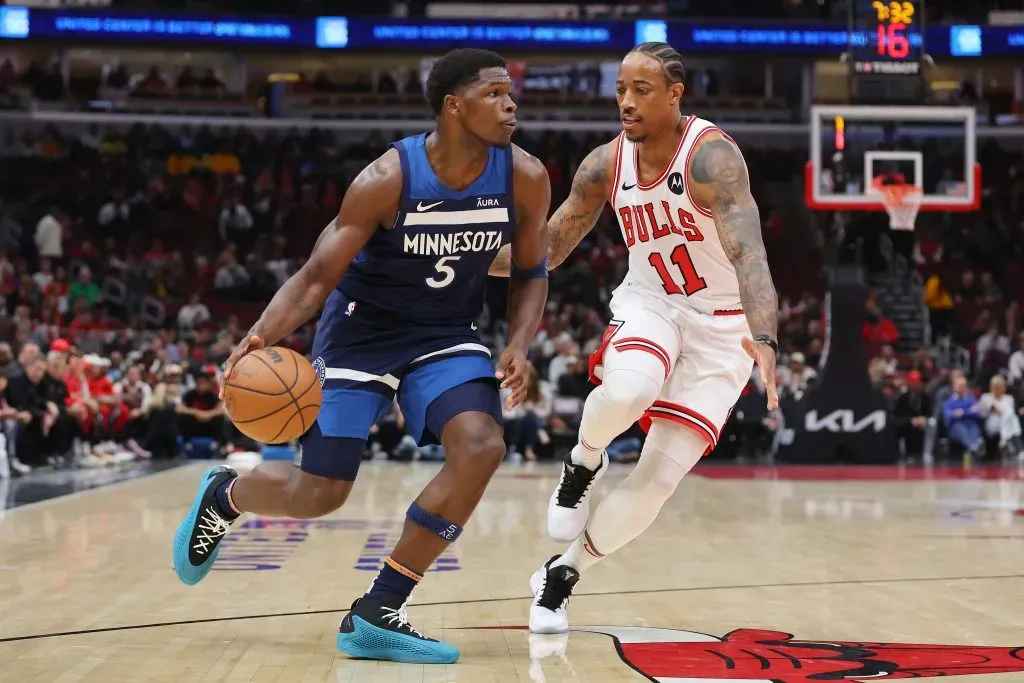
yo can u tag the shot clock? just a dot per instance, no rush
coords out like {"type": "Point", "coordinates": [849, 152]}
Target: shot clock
{"type": "Point", "coordinates": [886, 50]}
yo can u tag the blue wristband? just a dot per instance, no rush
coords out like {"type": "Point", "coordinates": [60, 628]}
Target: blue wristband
{"type": "Point", "coordinates": [539, 270]}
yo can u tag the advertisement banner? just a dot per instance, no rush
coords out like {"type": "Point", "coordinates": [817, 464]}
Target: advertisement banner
{"type": "Point", "coordinates": [844, 418]}
{"type": "Point", "coordinates": [534, 35]}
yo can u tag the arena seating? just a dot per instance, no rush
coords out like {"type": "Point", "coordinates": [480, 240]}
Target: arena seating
{"type": "Point", "coordinates": [156, 245]}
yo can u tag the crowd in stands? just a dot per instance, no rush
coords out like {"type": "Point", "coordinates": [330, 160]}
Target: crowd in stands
{"type": "Point", "coordinates": [131, 262]}
{"type": "Point", "coordinates": [68, 408]}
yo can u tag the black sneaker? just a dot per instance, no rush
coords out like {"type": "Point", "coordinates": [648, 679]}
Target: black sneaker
{"type": "Point", "coordinates": [197, 541]}
{"type": "Point", "coordinates": [379, 629]}
{"type": "Point", "coordinates": [569, 507]}
{"type": "Point", "coordinates": [552, 588]}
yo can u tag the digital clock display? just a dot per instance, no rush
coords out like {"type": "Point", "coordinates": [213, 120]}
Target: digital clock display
{"type": "Point", "coordinates": [891, 33]}
{"type": "Point", "coordinates": [894, 18]}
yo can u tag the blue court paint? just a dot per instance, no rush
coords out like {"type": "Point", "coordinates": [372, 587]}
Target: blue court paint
{"type": "Point", "coordinates": [266, 544]}
{"type": "Point", "coordinates": [378, 548]}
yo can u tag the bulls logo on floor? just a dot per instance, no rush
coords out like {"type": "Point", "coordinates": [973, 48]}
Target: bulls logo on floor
{"type": "Point", "coordinates": [752, 656]}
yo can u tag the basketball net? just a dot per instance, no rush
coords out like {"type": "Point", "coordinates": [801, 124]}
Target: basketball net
{"type": "Point", "coordinates": [901, 200]}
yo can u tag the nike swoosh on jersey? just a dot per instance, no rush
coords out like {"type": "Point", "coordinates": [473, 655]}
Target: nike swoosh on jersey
{"type": "Point", "coordinates": [628, 187]}
{"type": "Point", "coordinates": [421, 207]}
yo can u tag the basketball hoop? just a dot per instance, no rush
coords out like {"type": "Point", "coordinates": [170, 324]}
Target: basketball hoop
{"type": "Point", "coordinates": [901, 200]}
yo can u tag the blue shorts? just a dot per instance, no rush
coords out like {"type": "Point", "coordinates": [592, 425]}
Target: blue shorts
{"type": "Point", "coordinates": [436, 374]}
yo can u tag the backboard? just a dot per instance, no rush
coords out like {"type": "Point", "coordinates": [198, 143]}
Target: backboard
{"type": "Point", "coordinates": [930, 147]}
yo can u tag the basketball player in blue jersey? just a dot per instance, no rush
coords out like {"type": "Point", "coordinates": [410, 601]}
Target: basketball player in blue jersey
{"type": "Point", "coordinates": [402, 270]}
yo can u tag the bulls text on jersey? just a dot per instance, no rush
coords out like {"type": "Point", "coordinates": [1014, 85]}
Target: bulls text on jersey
{"type": "Point", "coordinates": [642, 223]}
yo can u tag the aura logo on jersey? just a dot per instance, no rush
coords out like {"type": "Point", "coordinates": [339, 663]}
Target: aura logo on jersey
{"type": "Point", "coordinates": [754, 656]}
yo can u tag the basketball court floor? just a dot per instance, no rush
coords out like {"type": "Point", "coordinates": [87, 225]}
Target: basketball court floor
{"type": "Point", "coordinates": [751, 575]}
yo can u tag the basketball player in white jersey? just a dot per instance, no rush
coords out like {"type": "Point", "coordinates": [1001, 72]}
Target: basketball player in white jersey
{"type": "Point", "coordinates": [695, 309]}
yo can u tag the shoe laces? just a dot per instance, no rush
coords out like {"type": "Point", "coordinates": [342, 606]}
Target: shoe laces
{"type": "Point", "coordinates": [558, 585]}
{"type": "Point", "coordinates": [399, 619]}
{"type": "Point", "coordinates": [576, 481]}
{"type": "Point", "coordinates": [211, 528]}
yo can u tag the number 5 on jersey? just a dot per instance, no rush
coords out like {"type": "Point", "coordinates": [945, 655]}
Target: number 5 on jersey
{"type": "Point", "coordinates": [692, 281]}
{"type": "Point", "coordinates": [445, 273]}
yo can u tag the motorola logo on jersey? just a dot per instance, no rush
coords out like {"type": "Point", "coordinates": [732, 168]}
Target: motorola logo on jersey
{"type": "Point", "coordinates": [452, 243]}
{"type": "Point", "coordinates": [675, 183]}
{"type": "Point", "coordinates": [651, 221]}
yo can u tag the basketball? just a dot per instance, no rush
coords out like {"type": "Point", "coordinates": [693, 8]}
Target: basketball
{"type": "Point", "coordinates": [273, 396]}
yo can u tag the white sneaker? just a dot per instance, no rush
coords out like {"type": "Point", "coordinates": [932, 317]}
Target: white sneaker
{"type": "Point", "coordinates": [569, 507]}
{"type": "Point", "coordinates": [90, 460]}
{"type": "Point", "coordinates": [121, 457]}
{"type": "Point", "coordinates": [551, 588]}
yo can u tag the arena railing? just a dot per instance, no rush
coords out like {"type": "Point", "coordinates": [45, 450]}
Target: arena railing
{"type": "Point", "coordinates": [85, 119]}
{"type": "Point", "coordinates": [767, 134]}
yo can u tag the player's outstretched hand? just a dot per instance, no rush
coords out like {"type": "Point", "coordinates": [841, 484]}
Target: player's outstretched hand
{"type": "Point", "coordinates": [512, 373]}
{"type": "Point", "coordinates": [764, 356]}
{"type": "Point", "coordinates": [247, 345]}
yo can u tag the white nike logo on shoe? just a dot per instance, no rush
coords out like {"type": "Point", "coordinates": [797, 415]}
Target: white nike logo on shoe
{"type": "Point", "coordinates": [421, 207]}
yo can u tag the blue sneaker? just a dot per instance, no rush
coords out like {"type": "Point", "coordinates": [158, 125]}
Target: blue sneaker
{"type": "Point", "coordinates": [197, 541]}
{"type": "Point", "coordinates": [379, 629]}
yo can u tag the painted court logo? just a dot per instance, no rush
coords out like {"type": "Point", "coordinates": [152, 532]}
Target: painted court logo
{"type": "Point", "coordinates": [755, 656]}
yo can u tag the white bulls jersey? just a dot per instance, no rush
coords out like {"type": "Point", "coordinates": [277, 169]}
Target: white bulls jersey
{"type": "Point", "coordinates": [674, 249]}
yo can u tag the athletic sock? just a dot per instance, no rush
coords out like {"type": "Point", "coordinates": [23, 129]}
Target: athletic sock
{"type": "Point", "coordinates": [586, 455]}
{"type": "Point", "coordinates": [393, 580]}
{"type": "Point", "coordinates": [222, 496]}
{"type": "Point", "coordinates": [581, 555]}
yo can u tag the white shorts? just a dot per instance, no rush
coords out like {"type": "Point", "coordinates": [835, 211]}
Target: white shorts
{"type": "Point", "coordinates": [705, 366]}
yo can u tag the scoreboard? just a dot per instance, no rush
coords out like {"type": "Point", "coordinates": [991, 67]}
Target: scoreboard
{"type": "Point", "coordinates": [887, 50]}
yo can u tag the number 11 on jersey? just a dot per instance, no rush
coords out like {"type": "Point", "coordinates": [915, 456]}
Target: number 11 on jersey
{"type": "Point", "coordinates": [692, 281]}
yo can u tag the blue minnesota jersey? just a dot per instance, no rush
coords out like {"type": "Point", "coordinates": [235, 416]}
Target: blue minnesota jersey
{"type": "Point", "coordinates": [400, 324]}
{"type": "Point", "coordinates": [431, 266]}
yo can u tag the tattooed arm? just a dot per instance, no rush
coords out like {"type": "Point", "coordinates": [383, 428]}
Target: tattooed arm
{"type": "Point", "coordinates": [577, 215]}
{"type": "Point", "coordinates": [718, 177]}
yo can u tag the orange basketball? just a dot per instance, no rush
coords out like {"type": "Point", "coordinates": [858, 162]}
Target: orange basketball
{"type": "Point", "coordinates": [273, 396]}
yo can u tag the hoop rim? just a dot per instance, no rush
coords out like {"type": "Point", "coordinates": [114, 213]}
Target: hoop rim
{"type": "Point", "coordinates": [889, 192]}
{"type": "Point", "coordinates": [929, 205]}
{"type": "Point", "coordinates": [902, 200]}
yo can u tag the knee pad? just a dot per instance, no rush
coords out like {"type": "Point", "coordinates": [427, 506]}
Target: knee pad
{"type": "Point", "coordinates": [628, 392]}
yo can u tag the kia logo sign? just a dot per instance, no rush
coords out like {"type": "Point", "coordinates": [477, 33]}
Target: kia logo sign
{"type": "Point", "coordinates": [843, 421]}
